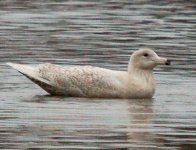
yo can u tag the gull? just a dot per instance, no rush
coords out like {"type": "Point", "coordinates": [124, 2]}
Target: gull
{"type": "Point", "coordinates": [95, 82]}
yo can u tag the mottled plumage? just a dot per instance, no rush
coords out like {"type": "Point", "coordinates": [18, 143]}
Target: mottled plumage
{"type": "Point", "coordinates": [88, 81]}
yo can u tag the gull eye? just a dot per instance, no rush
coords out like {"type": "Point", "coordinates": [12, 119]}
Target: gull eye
{"type": "Point", "coordinates": [146, 55]}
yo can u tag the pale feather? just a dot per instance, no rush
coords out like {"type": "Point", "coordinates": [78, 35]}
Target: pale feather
{"type": "Point", "coordinates": [88, 81]}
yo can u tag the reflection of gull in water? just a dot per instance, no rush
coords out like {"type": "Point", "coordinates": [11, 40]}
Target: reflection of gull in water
{"type": "Point", "coordinates": [88, 81]}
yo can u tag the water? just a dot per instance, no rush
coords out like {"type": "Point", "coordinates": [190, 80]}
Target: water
{"type": "Point", "coordinates": [99, 33]}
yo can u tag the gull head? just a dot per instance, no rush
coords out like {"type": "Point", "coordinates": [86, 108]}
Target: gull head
{"type": "Point", "coordinates": [146, 59]}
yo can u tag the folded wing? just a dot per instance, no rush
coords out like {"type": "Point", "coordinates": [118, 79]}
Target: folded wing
{"type": "Point", "coordinates": [83, 81]}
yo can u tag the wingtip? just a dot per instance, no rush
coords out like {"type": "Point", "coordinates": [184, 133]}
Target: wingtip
{"type": "Point", "coordinates": [10, 64]}
{"type": "Point", "coordinates": [15, 65]}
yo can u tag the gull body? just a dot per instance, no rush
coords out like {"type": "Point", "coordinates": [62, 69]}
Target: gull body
{"type": "Point", "coordinates": [95, 82]}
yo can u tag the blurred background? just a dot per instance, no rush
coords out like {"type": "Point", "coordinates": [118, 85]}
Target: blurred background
{"type": "Point", "coordinates": [99, 33]}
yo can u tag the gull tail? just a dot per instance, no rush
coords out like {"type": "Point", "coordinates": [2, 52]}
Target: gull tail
{"type": "Point", "coordinates": [33, 74]}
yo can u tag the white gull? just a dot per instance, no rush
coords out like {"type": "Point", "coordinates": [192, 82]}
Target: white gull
{"type": "Point", "coordinates": [87, 81]}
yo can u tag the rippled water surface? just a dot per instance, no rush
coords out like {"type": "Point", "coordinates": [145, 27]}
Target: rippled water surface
{"type": "Point", "coordinates": [99, 33]}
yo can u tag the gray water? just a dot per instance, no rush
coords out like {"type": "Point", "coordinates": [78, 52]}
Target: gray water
{"type": "Point", "coordinates": [99, 33]}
